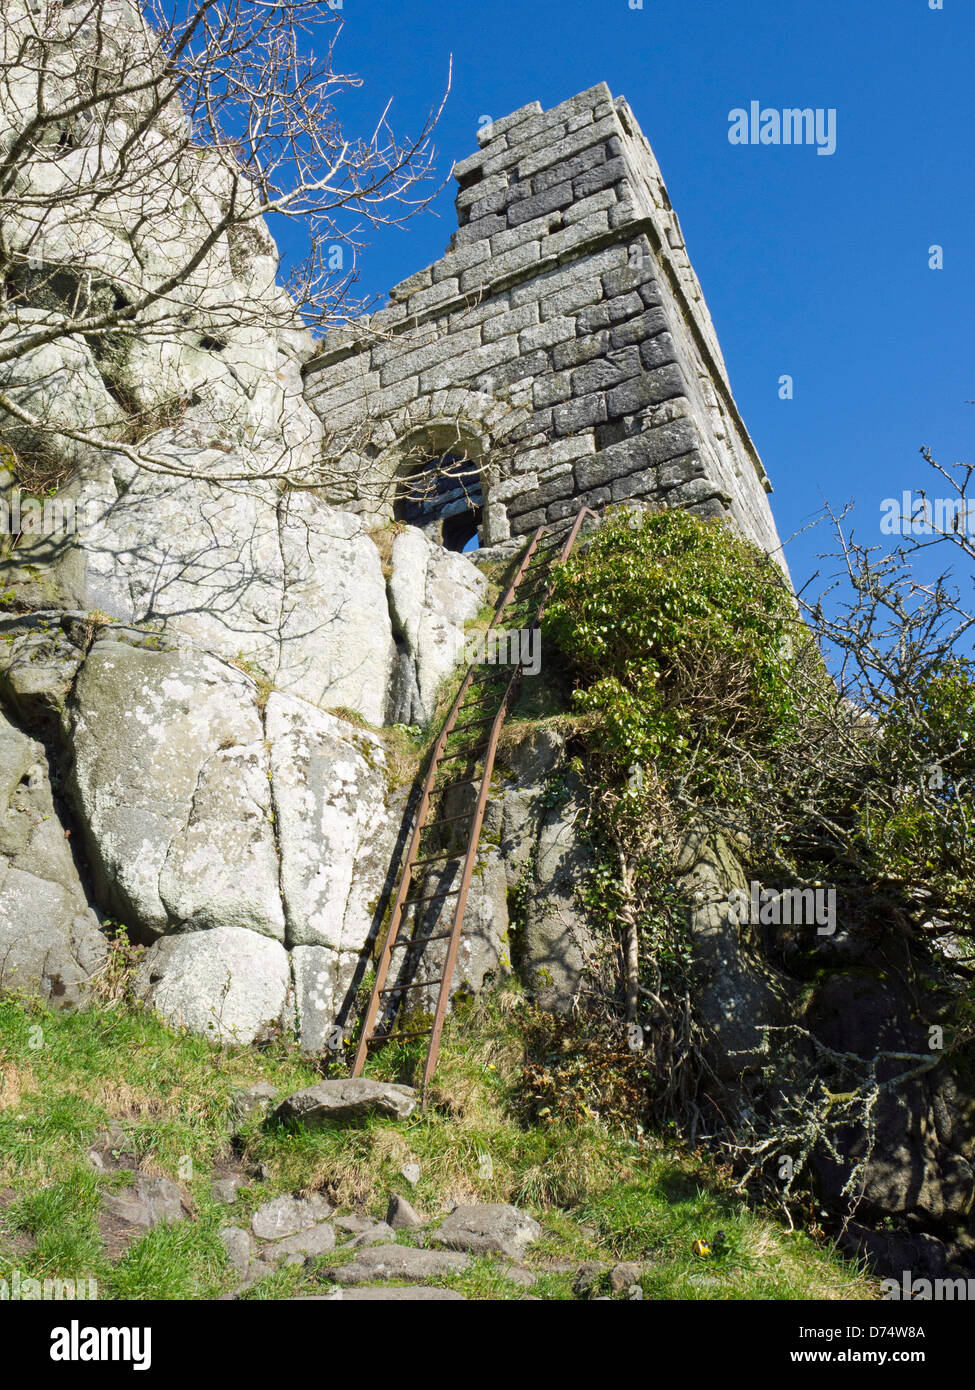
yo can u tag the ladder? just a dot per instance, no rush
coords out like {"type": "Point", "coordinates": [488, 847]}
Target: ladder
{"type": "Point", "coordinates": [488, 693]}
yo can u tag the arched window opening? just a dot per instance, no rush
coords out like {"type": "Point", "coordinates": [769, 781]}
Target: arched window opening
{"type": "Point", "coordinates": [443, 496]}
{"type": "Point", "coordinates": [461, 532]}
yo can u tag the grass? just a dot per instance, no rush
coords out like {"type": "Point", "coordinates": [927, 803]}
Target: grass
{"type": "Point", "coordinates": [599, 1196]}
{"type": "Point", "coordinates": [258, 675]}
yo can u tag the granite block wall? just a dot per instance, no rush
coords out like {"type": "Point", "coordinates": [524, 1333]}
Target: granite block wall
{"type": "Point", "coordinates": [562, 342]}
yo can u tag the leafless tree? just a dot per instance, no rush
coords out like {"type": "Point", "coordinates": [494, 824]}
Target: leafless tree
{"type": "Point", "coordinates": [881, 677]}
{"type": "Point", "coordinates": [142, 146]}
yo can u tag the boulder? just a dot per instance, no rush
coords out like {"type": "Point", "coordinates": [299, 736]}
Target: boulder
{"type": "Point", "coordinates": [342, 1100]}
{"type": "Point", "coordinates": [364, 1231]}
{"type": "Point", "coordinates": [515, 817]}
{"type": "Point", "coordinates": [50, 939]}
{"type": "Point", "coordinates": [392, 1293]}
{"type": "Point", "coordinates": [433, 594]}
{"type": "Point", "coordinates": [169, 781]}
{"type": "Point", "coordinates": [335, 638]}
{"type": "Point", "coordinates": [256, 1270]}
{"type": "Point", "coordinates": [60, 385]}
{"type": "Point", "coordinates": [222, 870]}
{"type": "Point", "coordinates": [283, 582]}
{"type": "Point", "coordinates": [229, 984]}
{"type": "Point", "coordinates": [329, 788]}
{"type": "Point", "coordinates": [322, 978]}
{"type": "Point", "coordinates": [556, 939]}
{"type": "Point", "coordinates": [891, 1253]}
{"type": "Point", "coordinates": [738, 988]}
{"type": "Point", "coordinates": [921, 1159]}
{"type": "Point", "coordinates": [488, 1228]}
{"type": "Point", "coordinates": [198, 560]}
{"type": "Point", "coordinates": [483, 954]}
{"type": "Point", "coordinates": [224, 1190]}
{"type": "Point", "coordinates": [252, 1100]}
{"type": "Point", "coordinates": [40, 654]}
{"type": "Point", "coordinates": [623, 1277]}
{"type": "Point", "coordinates": [225, 344]}
{"type": "Point", "coordinates": [587, 1278]}
{"type": "Point", "coordinates": [400, 1215]}
{"type": "Point", "coordinates": [399, 1262]}
{"type": "Point", "coordinates": [317, 1240]}
{"type": "Point", "coordinates": [287, 1216]}
{"type": "Point", "coordinates": [237, 1243]}
{"type": "Point", "coordinates": [213, 551]}
{"type": "Point", "coordinates": [208, 823]}
{"type": "Point", "coordinates": [149, 1202]}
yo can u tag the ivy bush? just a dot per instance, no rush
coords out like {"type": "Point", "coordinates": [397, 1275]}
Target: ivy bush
{"type": "Point", "coordinates": [679, 634]}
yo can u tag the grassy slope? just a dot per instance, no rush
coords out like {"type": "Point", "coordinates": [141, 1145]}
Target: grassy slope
{"type": "Point", "coordinates": [63, 1077]}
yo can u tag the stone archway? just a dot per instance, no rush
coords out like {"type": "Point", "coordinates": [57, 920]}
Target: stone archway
{"type": "Point", "coordinates": [439, 488]}
{"type": "Point", "coordinates": [450, 444]}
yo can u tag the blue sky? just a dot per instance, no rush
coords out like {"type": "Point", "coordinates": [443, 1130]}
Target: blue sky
{"type": "Point", "coordinates": [814, 266]}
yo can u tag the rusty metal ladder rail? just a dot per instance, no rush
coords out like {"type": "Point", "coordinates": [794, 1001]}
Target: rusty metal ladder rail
{"type": "Point", "coordinates": [420, 822]}
{"type": "Point", "coordinates": [475, 833]}
{"type": "Point", "coordinates": [379, 990]}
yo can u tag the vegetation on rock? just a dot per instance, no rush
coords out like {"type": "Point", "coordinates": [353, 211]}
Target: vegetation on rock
{"type": "Point", "coordinates": [831, 748]}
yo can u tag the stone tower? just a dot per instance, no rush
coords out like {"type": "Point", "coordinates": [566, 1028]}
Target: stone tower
{"type": "Point", "coordinates": [562, 345]}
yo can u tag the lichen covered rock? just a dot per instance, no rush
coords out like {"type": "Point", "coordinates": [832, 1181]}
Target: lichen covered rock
{"type": "Point", "coordinates": [50, 939]}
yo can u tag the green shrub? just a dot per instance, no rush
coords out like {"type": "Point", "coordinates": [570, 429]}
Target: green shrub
{"type": "Point", "coordinates": [679, 636]}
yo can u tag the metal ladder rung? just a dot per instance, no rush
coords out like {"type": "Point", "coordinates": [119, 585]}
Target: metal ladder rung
{"type": "Point", "coordinates": [396, 1037]}
{"type": "Point", "coordinates": [421, 940]}
{"type": "Point", "coordinates": [486, 672]}
{"type": "Point", "coordinates": [443, 820]}
{"type": "Point", "coordinates": [416, 984]}
{"type": "Point", "coordinates": [475, 704]}
{"type": "Point", "coordinates": [495, 689]}
{"type": "Point", "coordinates": [430, 898]}
{"type": "Point", "coordinates": [451, 786]}
{"type": "Point", "coordinates": [464, 753]}
{"type": "Point", "coordinates": [472, 724]}
{"type": "Point", "coordinates": [436, 858]}
{"type": "Point", "coordinates": [446, 820]}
